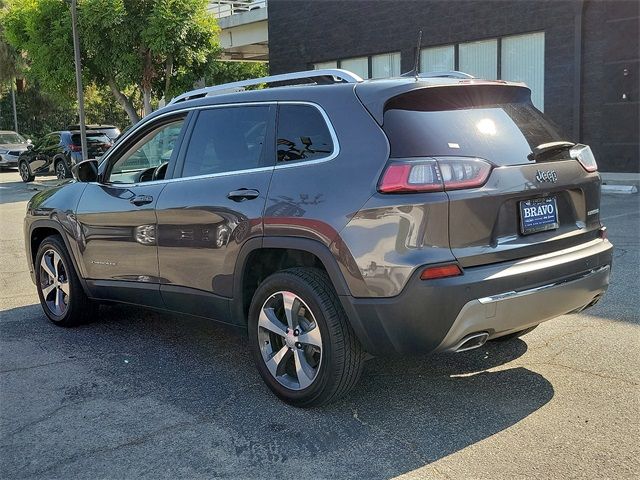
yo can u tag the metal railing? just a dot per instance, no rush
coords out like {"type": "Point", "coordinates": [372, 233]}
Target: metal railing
{"type": "Point", "coordinates": [226, 8]}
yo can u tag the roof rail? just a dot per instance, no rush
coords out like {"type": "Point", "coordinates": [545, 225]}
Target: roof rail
{"type": "Point", "coordinates": [325, 76]}
{"type": "Point", "coordinates": [445, 74]}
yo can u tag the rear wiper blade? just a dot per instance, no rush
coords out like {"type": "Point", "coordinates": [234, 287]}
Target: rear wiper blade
{"type": "Point", "coordinates": [546, 148]}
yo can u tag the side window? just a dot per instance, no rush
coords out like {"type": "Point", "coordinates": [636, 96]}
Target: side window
{"type": "Point", "coordinates": [151, 151]}
{"type": "Point", "coordinates": [227, 139]}
{"type": "Point", "coordinates": [302, 134]}
{"type": "Point", "coordinates": [52, 140]}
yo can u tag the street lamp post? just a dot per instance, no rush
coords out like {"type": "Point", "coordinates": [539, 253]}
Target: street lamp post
{"type": "Point", "coordinates": [76, 52]}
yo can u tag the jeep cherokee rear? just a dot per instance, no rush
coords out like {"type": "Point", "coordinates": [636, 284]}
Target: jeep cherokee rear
{"type": "Point", "coordinates": [332, 221]}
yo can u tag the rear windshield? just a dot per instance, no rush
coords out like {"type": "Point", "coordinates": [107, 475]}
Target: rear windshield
{"type": "Point", "coordinates": [497, 123]}
{"type": "Point", "coordinates": [91, 138]}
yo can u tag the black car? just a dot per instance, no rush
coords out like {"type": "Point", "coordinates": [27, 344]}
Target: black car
{"type": "Point", "coordinates": [332, 221]}
{"type": "Point", "coordinates": [110, 131]}
{"type": "Point", "coordinates": [57, 153]}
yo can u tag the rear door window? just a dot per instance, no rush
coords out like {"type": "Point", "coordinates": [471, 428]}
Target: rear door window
{"type": "Point", "coordinates": [303, 134]}
{"type": "Point", "coordinates": [228, 139]}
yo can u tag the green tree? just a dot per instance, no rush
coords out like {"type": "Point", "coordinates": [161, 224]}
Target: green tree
{"type": "Point", "coordinates": [149, 44]}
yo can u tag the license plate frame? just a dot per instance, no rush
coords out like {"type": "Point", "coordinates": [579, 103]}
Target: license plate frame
{"type": "Point", "coordinates": [542, 219]}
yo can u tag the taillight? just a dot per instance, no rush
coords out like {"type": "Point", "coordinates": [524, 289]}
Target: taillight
{"type": "Point", "coordinates": [413, 176]}
{"type": "Point", "coordinates": [584, 155]}
{"type": "Point", "coordinates": [434, 174]}
{"type": "Point", "coordinates": [441, 271]}
{"type": "Point", "coordinates": [75, 148]}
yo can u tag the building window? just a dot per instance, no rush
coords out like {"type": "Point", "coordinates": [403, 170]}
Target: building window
{"type": "Point", "coordinates": [385, 65]}
{"type": "Point", "coordinates": [323, 65]}
{"type": "Point", "coordinates": [479, 59]}
{"type": "Point", "coordinates": [376, 66]}
{"type": "Point", "coordinates": [438, 59]}
{"type": "Point", "coordinates": [522, 60]}
{"type": "Point", "coordinates": [359, 66]}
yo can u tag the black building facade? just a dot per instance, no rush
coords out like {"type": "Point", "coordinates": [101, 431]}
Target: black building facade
{"type": "Point", "coordinates": [581, 58]}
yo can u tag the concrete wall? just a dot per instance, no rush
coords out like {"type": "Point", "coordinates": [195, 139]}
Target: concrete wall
{"type": "Point", "coordinates": [305, 32]}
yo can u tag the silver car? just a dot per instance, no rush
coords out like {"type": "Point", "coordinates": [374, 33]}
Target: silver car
{"type": "Point", "coordinates": [12, 144]}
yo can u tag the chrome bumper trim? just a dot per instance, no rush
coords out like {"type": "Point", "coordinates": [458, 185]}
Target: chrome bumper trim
{"type": "Point", "coordinates": [513, 311]}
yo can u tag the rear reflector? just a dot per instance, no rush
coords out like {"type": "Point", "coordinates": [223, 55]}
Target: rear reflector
{"type": "Point", "coordinates": [441, 271]}
{"type": "Point", "coordinates": [434, 174]}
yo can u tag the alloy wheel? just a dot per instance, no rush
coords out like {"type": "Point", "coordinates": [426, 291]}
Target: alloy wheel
{"type": "Point", "coordinates": [61, 171]}
{"type": "Point", "coordinates": [290, 340]}
{"type": "Point", "coordinates": [24, 171]}
{"type": "Point", "coordinates": [54, 282]}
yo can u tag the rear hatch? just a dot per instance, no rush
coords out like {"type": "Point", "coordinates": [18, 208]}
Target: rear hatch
{"type": "Point", "coordinates": [535, 197]}
{"type": "Point", "coordinates": [97, 143]}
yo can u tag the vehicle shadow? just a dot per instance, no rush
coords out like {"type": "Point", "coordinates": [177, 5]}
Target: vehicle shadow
{"type": "Point", "coordinates": [12, 189]}
{"type": "Point", "coordinates": [172, 395]}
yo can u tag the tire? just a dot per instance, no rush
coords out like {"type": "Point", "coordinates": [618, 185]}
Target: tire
{"type": "Point", "coordinates": [307, 375]}
{"type": "Point", "coordinates": [64, 308]}
{"type": "Point", "coordinates": [61, 169]}
{"type": "Point", "coordinates": [514, 335]}
{"type": "Point", "coordinates": [25, 172]}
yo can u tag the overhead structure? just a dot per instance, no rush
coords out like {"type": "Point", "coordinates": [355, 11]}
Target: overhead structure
{"type": "Point", "coordinates": [244, 34]}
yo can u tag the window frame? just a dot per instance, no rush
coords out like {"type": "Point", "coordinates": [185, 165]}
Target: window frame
{"type": "Point", "coordinates": [332, 133]}
{"type": "Point", "coordinates": [138, 134]}
{"type": "Point", "coordinates": [268, 150]}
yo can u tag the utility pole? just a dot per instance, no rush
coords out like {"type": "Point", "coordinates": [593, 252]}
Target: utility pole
{"type": "Point", "coordinates": [13, 102]}
{"type": "Point", "coordinates": [76, 52]}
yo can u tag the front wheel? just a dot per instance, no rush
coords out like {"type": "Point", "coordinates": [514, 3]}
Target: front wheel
{"type": "Point", "coordinates": [301, 340]}
{"type": "Point", "coordinates": [25, 172]}
{"type": "Point", "coordinates": [61, 295]}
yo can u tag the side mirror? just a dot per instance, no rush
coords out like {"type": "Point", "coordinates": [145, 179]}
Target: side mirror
{"type": "Point", "coordinates": [29, 146]}
{"type": "Point", "coordinates": [86, 171]}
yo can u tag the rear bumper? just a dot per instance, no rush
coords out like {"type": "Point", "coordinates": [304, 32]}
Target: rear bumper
{"type": "Point", "coordinates": [498, 299]}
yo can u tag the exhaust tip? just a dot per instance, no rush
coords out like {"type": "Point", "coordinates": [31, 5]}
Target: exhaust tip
{"type": "Point", "coordinates": [470, 342]}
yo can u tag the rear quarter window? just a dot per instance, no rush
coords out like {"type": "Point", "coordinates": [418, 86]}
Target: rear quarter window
{"type": "Point", "coordinates": [303, 134]}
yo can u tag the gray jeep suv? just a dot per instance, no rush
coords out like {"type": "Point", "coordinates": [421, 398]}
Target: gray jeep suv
{"type": "Point", "coordinates": [332, 220]}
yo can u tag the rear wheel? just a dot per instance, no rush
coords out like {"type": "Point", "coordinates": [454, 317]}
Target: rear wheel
{"type": "Point", "coordinates": [62, 171]}
{"type": "Point", "coordinates": [25, 172]}
{"type": "Point", "coordinates": [61, 295]}
{"type": "Point", "coordinates": [301, 340]}
{"type": "Point", "coordinates": [513, 335]}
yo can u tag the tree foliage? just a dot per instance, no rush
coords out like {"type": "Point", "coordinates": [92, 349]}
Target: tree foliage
{"type": "Point", "coordinates": [149, 44]}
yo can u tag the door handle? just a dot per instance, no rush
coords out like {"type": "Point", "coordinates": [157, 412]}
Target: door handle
{"type": "Point", "coordinates": [243, 194]}
{"type": "Point", "coordinates": [140, 200]}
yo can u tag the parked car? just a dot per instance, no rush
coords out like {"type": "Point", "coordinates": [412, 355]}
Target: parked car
{"type": "Point", "coordinates": [332, 221]}
{"type": "Point", "coordinates": [12, 144]}
{"type": "Point", "coordinates": [110, 131]}
{"type": "Point", "coordinates": [57, 152]}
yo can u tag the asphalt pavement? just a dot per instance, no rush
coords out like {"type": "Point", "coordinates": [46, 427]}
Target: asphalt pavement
{"type": "Point", "coordinates": [142, 394]}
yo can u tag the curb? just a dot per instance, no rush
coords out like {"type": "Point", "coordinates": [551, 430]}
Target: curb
{"type": "Point", "coordinates": [619, 189]}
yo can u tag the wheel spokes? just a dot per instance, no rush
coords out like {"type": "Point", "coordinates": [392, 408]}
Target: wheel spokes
{"type": "Point", "coordinates": [304, 371]}
{"type": "Point", "coordinates": [291, 306]}
{"type": "Point", "coordinates": [64, 286]}
{"type": "Point", "coordinates": [47, 290]}
{"type": "Point", "coordinates": [47, 265]}
{"type": "Point", "coordinates": [276, 364]}
{"type": "Point", "coordinates": [269, 321]}
{"type": "Point", "coordinates": [312, 337]}
{"type": "Point", "coordinates": [56, 263]}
